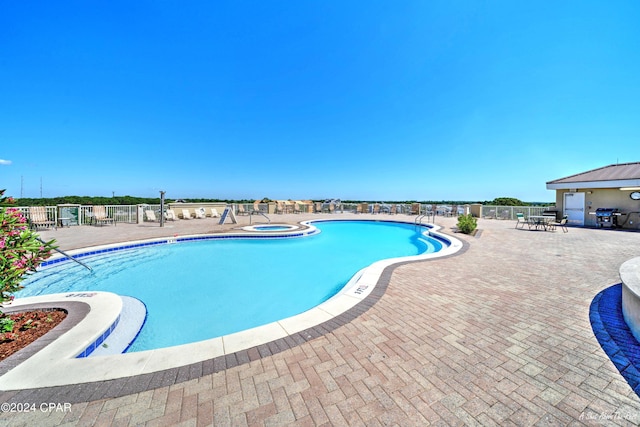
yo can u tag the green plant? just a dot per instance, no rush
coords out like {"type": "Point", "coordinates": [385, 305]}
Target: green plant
{"type": "Point", "coordinates": [467, 223]}
{"type": "Point", "coordinates": [6, 324]}
{"type": "Point", "coordinates": [21, 251]}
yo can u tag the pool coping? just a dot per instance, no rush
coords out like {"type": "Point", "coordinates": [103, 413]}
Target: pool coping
{"type": "Point", "coordinates": [81, 384]}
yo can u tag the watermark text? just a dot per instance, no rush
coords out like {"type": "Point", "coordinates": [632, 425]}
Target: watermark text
{"type": "Point", "coordinates": [35, 407]}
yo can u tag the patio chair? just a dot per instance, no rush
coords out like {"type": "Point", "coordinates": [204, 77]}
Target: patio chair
{"type": "Point", "coordinates": [200, 213]}
{"type": "Point", "coordinates": [186, 214]}
{"type": "Point", "coordinates": [521, 220]}
{"type": "Point", "coordinates": [415, 209]}
{"type": "Point", "coordinates": [562, 224]}
{"type": "Point", "coordinates": [100, 216]}
{"type": "Point", "coordinates": [214, 213]}
{"type": "Point", "coordinates": [38, 218]}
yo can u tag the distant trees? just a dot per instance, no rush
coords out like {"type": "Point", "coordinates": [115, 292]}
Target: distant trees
{"type": "Point", "coordinates": [506, 201]}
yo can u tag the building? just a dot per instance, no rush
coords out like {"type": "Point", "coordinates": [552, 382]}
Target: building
{"type": "Point", "coordinates": [614, 186]}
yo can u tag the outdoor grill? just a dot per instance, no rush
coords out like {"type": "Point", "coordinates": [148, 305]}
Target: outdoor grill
{"type": "Point", "coordinates": [607, 217]}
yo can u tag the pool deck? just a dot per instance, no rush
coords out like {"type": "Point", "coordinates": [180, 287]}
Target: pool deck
{"type": "Point", "coordinates": [497, 335]}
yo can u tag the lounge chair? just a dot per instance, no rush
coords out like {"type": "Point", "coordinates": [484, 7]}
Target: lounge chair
{"type": "Point", "coordinates": [100, 216]}
{"type": "Point", "coordinates": [376, 209]}
{"type": "Point", "coordinates": [562, 224]}
{"type": "Point", "coordinates": [296, 208]}
{"type": "Point", "coordinates": [170, 215]}
{"type": "Point", "coordinates": [255, 210]}
{"type": "Point", "coordinates": [151, 215]}
{"type": "Point", "coordinates": [186, 214]}
{"type": "Point", "coordinates": [393, 210]}
{"type": "Point", "coordinates": [288, 206]}
{"type": "Point", "coordinates": [200, 213]}
{"type": "Point", "coordinates": [38, 218]}
{"type": "Point", "coordinates": [214, 213]}
{"type": "Point", "coordinates": [415, 209]}
{"type": "Point", "coordinates": [241, 210]}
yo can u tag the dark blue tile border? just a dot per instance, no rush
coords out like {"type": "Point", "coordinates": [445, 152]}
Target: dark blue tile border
{"type": "Point", "coordinates": [172, 241]}
{"type": "Point", "coordinates": [614, 335]}
{"type": "Point", "coordinates": [87, 351]}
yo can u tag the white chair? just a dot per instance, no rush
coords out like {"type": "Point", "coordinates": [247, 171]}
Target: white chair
{"type": "Point", "coordinates": [521, 221]}
{"type": "Point", "coordinates": [562, 224]}
{"type": "Point", "coordinates": [200, 213]}
{"type": "Point", "coordinates": [170, 215]}
{"type": "Point", "coordinates": [186, 214]}
{"type": "Point", "coordinates": [151, 215]}
{"type": "Point", "coordinates": [214, 213]}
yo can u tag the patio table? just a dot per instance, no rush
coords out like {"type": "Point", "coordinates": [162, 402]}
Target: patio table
{"type": "Point", "coordinates": [541, 221]}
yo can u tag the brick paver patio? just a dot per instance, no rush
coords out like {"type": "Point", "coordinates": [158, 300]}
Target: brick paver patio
{"type": "Point", "coordinates": [498, 335]}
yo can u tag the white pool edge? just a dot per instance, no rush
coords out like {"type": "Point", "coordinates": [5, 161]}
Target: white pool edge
{"type": "Point", "coordinates": [56, 365]}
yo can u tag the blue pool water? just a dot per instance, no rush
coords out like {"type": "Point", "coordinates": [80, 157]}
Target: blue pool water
{"type": "Point", "coordinates": [200, 290]}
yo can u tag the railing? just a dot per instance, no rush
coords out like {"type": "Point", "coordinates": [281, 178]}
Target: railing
{"type": "Point", "coordinates": [120, 213]}
{"type": "Point", "coordinates": [129, 213]}
{"type": "Point", "coordinates": [372, 208]}
{"type": "Point", "coordinates": [509, 212]}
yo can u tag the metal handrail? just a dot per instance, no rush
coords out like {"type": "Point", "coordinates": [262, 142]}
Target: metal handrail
{"type": "Point", "coordinates": [252, 213]}
{"type": "Point", "coordinates": [68, 256]}
{"type": "Point", "coordinates": [419, 218]}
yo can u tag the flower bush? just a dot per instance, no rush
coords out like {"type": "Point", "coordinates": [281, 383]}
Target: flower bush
{"type": "Point", "coordinates": [21, 252]}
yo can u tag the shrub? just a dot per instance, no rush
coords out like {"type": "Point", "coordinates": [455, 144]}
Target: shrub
{"type": "Point", "coordinates": [21, 251]}
{"type": "Point", "coordinates": [467, 223]}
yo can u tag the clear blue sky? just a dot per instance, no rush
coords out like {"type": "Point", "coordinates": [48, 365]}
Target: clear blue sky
{"type": "Point", "coordinates": [376, 100]}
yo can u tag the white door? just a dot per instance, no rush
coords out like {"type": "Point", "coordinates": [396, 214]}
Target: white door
{"type": "Point", "coordinates": [574, 208]}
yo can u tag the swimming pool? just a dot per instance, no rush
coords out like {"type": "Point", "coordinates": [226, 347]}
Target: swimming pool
{"type": "Point", "coordinates": [204, 289]}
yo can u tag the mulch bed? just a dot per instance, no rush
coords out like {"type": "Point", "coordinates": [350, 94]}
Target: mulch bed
{"type": "Point", "coordinates": [28, 327]}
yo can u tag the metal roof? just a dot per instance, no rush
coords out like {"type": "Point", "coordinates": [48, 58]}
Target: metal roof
{"type": "Point", "coordinates": [619, 172]}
